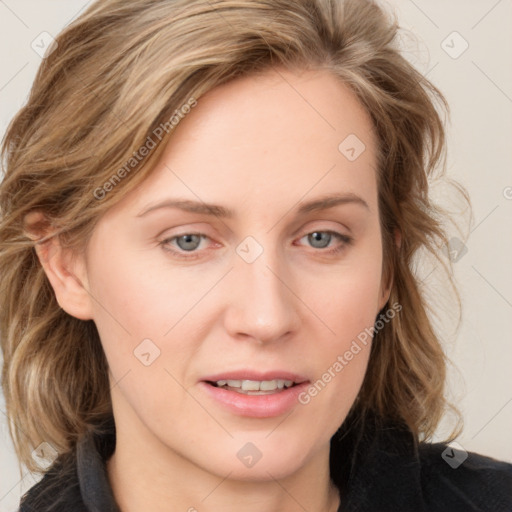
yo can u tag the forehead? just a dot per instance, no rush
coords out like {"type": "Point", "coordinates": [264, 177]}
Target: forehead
{"type": "Point", "coordinates": [265, 139]}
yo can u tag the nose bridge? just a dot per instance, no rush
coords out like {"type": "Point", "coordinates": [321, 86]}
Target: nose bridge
{"type": "Point", "coordinates": [263, 306]}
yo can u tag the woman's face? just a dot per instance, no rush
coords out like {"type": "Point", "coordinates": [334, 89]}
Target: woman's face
{"type": "Point", "coordinates": [272, 287]}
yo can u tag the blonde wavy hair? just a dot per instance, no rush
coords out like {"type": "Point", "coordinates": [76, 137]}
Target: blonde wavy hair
{"type": "Point", "coordinates": [116, 73]}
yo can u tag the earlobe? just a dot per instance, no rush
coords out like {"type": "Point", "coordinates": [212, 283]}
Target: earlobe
{"type": "Point", "coordinates": [386, 293]}
{"type": "Point", "coordinates": [388, 283]}
{"type": "Point", "coordinates": [385, 288]}
{"type": "Point", "coordinates": [398, 239]}
{"type": "Point", "coordinates": [65, 273]}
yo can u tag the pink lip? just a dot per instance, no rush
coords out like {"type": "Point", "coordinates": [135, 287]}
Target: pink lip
{"type": "Point", "coordinates": [255, 375]}
{"type": "Point", "coordinates": [255, 406]}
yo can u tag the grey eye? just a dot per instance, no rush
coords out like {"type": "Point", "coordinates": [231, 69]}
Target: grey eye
{"type": "Point", "coordinates": [188, 242]}
{"type": "Point", "coordinates": [319, 239]}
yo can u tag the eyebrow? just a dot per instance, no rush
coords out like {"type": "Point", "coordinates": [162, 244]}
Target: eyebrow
{"type": "Point", "coordinates": [322, 203]}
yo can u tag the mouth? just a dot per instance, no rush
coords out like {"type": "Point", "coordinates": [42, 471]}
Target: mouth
{"type": "Point", "coordinates": [253, 393]}
{"type": "Point", "coordinates": [254, 387]}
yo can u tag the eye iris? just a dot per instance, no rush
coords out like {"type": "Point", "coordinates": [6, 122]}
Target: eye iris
{"type": "Point", "coordinates": [191, 242]}
{"type": "Point", "coordinates": [317, 236]}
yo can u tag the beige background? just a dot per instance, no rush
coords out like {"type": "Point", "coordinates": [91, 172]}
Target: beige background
{"type": "Point", "coordinates": [478, 86]}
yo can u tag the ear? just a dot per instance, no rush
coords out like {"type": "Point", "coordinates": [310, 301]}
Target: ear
{"type": "Point", "coordinates": [65, 270]}
{"type": "Point", "coordinates": [387, 280]}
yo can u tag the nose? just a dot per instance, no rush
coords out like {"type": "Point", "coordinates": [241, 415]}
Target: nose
{"type": "Point", "coordinates": [263, 305]}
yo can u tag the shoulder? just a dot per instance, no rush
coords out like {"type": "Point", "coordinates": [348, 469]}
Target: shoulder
{"type": "Point", "coordinates": [453, 479]}
{"type": "Point", "coordinates": [383, 467]}
{"type": "Point", "coordinates": [77, 481]}
{"type": "Point", "coordinates": [57, 491]}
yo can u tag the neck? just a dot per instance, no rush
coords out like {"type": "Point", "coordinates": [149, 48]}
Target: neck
{"type": "Point", "coordinates": [148, 475]}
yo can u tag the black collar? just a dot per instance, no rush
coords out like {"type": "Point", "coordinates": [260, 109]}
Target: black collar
{"type": "Point", "coordinates": [91, 456]}
{"type": "Point", "coordinates": [375, 466]}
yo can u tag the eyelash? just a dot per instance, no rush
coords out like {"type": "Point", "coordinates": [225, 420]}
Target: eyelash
{"type": "Point", "coordinates": [345, 239]}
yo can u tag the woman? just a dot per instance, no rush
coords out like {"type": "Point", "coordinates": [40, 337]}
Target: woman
{"type": "Point", "coordinates": [209, 217]}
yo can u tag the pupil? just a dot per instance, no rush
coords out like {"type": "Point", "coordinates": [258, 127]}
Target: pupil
{"type": "Point", "coordinates": [190, 242]}
{"type": "Point", "coordinates": [317, 237]}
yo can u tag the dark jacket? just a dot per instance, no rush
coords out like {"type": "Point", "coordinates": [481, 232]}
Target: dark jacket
{"type": "Point", "coordinates": [377, 469]}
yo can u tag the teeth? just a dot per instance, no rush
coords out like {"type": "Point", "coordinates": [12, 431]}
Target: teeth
{"type": "Point", "coordinates": [250, 385]}
{"type": "Point", "coordinates": [268, 385]}
{"type": "Point", "coordinates": [256, 385]}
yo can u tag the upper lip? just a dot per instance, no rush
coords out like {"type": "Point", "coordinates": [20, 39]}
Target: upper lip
{"type": "Point", "coordinates": [256, 375]}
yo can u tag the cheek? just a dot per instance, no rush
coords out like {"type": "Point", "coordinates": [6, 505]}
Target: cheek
{"type": "Point", "coordinates": [139, 320]}
{"type": "Point", "coordinates": [151, 320]}
{"type": "Point", "coordinates": [134, 298]}
{"type": "Point", "coordinates": [347, 298]}
{"type": "Point", "coordinates": [341, 359]}
{"type": "Point", "coordinates": [349, 309]}
{"type": "Point", "coordinates": [347, 302]}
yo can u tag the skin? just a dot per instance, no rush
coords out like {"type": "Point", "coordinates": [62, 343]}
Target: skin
{"type": "Point", "coordinates": [261, 146]}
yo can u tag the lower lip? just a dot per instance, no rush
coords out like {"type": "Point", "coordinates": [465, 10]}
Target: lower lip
{"type": "Point", "coordinates": [256, 406]}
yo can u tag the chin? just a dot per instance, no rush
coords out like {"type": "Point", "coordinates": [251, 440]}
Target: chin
{"type": "Point", "coordinates": [258, 460]}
